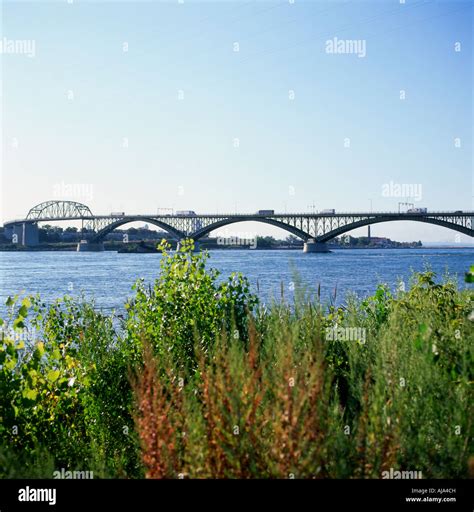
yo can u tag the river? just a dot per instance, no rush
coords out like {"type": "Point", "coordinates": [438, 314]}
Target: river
{"type": "Point", "coordinates": [109, 276]}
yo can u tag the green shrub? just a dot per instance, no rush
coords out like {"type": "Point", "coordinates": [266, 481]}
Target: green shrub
{"type": "Point", "coordinates": [40, 383]}
{"type": "Point", "coordinates": [187, 303]}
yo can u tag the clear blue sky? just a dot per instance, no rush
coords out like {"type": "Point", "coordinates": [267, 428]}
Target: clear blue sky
{"type": "Point", "coordinates": [181, 95]}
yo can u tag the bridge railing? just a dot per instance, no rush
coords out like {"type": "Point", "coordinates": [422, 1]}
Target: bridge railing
{"type": "Point", "coordinates": [248, 214]}
{"type": "Point", "coordinates": [307, 214]}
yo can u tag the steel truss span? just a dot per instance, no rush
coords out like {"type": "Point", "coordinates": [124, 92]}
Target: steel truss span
{"type": "Point", "coordinates": [320, 227]}
{"type": "Point", "coordinates": [60, 210]}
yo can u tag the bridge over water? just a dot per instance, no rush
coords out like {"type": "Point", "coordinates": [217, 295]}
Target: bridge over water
{"type": "Point", "coordinates": [315, 229]}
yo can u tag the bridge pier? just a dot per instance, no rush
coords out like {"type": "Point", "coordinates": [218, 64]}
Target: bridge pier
{"type": "Point", "coordinates": [313, 246]}
{"type": "Point", "coordinates": [25, 234]}
{"type": "Point", "coordinates": [86, 246]}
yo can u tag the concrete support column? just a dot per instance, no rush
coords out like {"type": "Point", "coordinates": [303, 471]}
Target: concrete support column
{"type": "Point", "coordinates": [313, 246]}
{"type": "Point", "coordinates": [30, 234]}
{"type": "Point", "coordinates": [25, 233]}
{"type": "Point", "coordinates": [86, 246]}
{"type": "Point", "coordinates": [17, 234]}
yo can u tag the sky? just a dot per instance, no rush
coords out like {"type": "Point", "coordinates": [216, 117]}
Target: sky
{"type": "Point", "coordinates": [236, 106]}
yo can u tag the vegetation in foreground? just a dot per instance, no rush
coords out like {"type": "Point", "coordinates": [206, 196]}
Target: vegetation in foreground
{"type": "Point", "coordinates": [199, 380]}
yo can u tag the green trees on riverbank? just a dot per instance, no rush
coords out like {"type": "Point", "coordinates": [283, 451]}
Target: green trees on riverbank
{"type": "Point", "coordinates": [199, 380]}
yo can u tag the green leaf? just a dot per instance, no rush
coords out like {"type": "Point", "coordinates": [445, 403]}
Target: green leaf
{"type": "Point", "coordinates": [32, 374]}
{"type": "Point", "coordinates": [422, 328]}
{"type": "Point", "coordinates": [30, 394]}
{"type": "Point", "coordinates": [26, 302]}
{"type": "Point", "coordinates": [18, 323]}
{"type": "Point", "coordinates": [418, 343]}
{"type": "Point", "coordinates": [9, 302]}
{"type": "Point", "coordinates": [53, 375]}
{"type": "Point", "coordinates": [10, 364]}
{"type": "Point", "coordinates": [39, 349]}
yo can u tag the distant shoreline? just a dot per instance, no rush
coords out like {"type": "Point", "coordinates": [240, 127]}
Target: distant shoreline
{"type": "Point", "coordinates": [229, 248]}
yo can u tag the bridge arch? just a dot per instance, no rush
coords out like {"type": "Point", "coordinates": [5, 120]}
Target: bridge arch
{"type": "Point", "coordinates": [265, 220]}
{"type": "Point", "coordinates": [99, 236]}
{"type": "Point", "coordinates": [366, 222]}
{"type": "Point", "coordinates": [60, 210]}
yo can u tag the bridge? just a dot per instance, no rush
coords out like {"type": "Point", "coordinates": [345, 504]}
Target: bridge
{"type": "Point", "coordinates": [315, 229]}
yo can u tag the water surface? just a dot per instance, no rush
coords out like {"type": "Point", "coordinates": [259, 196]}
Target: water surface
{"type": "Point", "coordinates": [109, 276]}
